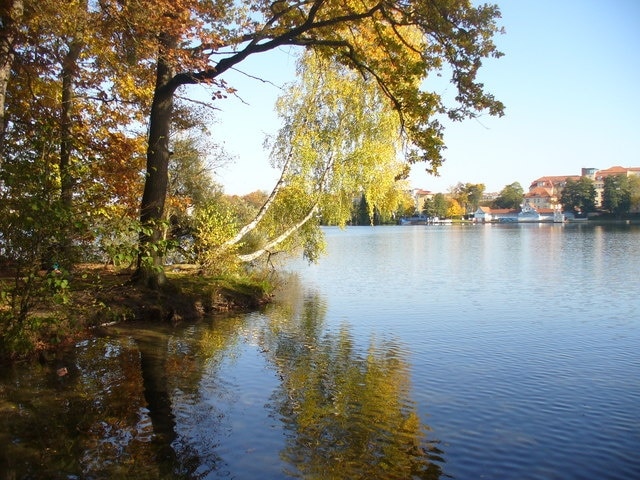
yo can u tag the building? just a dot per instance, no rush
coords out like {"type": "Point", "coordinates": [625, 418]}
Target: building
{"type": "Point", "coordinates": [486, 214]}
{"type": "Point", "coordinates": [544, 192]}
{"type": "Point", "coordinates": [490, 197]}
{"type": "Point", "coordinates": [419, 197]}
{"type": "Point", "coordinates": [483, 214]}
{"type": "Point", "coordinates": [599, 176]}
{"type": "Point", "coordinates": [541, 197]}
{"type": "Point", "coordinates": [526, 213]}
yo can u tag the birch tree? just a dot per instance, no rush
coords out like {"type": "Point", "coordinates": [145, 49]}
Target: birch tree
{"type": "Point", "coordinates": [340, 140]}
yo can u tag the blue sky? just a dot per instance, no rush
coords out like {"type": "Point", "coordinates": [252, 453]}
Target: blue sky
{"type": "Point", "coordinates": [570, 80]}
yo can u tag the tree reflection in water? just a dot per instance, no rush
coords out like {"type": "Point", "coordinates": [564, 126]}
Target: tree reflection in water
{"type": "Point", "coordinates": [152, 401]}
{"type": "Point", "coordinates": [112, 415]}
{"type": "Point", "coordinates": [90, 423]}
{"type": "Point", "coordinates": [348, 413]}
{"type": "Point", "coordinates": [173, 364]}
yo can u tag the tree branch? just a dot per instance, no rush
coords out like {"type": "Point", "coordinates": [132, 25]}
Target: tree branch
{"type": "Point", "coordinates": [197, 102]}
{"type": "Point", "coordinates": [263, 210]}
{"type": "Point", "coordinates": [281, 238]}
{"type": "Point", "coordinates": [290, 37]}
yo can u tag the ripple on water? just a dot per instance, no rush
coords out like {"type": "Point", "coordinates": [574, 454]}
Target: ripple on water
{"type": "Point", "coordinates": [533, 396]}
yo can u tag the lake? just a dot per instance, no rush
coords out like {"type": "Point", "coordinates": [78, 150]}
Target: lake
{"type": "Point", "coordinates": [444, 351]}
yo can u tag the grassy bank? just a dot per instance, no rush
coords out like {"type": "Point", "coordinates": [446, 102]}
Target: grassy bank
{"type": "Point", "coordinates": [98, 295]}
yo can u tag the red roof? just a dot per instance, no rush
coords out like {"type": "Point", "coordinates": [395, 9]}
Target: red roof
{"type": "Point", "coordinates": [538, 192]}
{"type": "Point", "coordinates": [554, 180]}
{"type": "Point", "coordinates": [617, 170]}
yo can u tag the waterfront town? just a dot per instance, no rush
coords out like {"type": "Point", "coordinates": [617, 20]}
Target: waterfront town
{"type": "Point", "coordinates": [543, 201]}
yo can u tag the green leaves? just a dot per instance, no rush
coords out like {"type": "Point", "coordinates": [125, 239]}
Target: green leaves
{"type": "Point", "coordinates": [213, 224]}
{"type": "Point", "coordinates": [621, 194]}
{"type": "Point", "coordinates": [510, 196]}
{"type": "Point", "coordinates": [340, 140]}
{"type": "Point", "coordinates": [579, 196]}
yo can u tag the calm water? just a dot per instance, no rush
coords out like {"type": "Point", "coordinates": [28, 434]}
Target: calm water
{"type": "Point", "coordinates": [500, 352]}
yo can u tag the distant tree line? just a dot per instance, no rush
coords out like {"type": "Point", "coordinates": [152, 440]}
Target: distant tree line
{"type": "Point", "coordinates": [620, 196]}
{"type": "Point", "coordinates": [465, 198]}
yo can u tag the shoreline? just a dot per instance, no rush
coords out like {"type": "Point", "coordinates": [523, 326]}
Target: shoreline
{"type": "Point", "coordinates": [101, 296]}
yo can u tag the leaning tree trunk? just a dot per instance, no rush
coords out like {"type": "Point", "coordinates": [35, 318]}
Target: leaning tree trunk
{"type": "Point", "coordinates": [151, 254]}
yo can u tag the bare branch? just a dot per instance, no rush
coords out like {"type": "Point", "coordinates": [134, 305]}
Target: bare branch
{"type": "Point", "coordinates": [197, 102]}
{"type": "Point", "coordinates": [253, 77]}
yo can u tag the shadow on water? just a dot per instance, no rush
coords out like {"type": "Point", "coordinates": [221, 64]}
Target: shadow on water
{"type": "Point", "coordinates": [149, 401]}
{"type": "Point", "coordinates": [153, 364]}
{"type": "Point", "coordinates": [82, 415]}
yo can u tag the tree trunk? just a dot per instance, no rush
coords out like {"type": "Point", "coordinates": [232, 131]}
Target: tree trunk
{"type": "Point", "coordinates": [10, 16]}
{"type": "Point", "coordinates": [69, 72]}
{"type": "Point", "coordinates": [280, 238]}
{"type": "Point", "coordinates": [151, 254]}
{"type": "Point", "coordinates": [263, 210]}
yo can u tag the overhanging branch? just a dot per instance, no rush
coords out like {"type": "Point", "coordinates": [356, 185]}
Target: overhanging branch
{"type": "Point", "coordinates": [281, 238]}
{"type": "Point", "coordinates": [263, 210]}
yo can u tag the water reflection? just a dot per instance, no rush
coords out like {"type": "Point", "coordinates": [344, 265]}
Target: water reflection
{"type": "Point", "coordinates": [149, 401]}
{"type": "Point", "coordinates": [347, 413]}
{"type": "Point", "coordinates": [156, 383]}
{"type": "Point", "coordinates": [89, 423]}
{"type": "Point", "coordinates": [337, 384]}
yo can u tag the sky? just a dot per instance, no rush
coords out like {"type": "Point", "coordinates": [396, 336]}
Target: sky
{"type": "Point", "coordinates": [570, 81]}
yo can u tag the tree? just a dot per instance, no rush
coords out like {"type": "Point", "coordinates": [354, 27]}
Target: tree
{"type": "Point", "coordinates": [468, 195]}
{"type": "Point", "coordinates": [579, 196]}
{"type": "Point", "coordinates": [634, 184]}
{"type": "Point", "coordinates": [620, 194]}
{"type": "Point", "coordinates": [475, 193]}
{"type": "Point", "coordinates": [340, 140]}
{"type": "Point", "coordinates": [70, 69]}
{"type": "Point", "coordinates": [394, 43]}
{"type": "Point", "coordinates": [10, 16]}
{"type": "Point", "coordinates": [407, 207]}
{"type": "Point", "coordinates": [361, 215]}
{"type": "Point", "coordinates": [455, 210]}
{"type": "Point", "coordinates": [126, 62]}
{"type": "Point", "coordinates": [436, 206]}
{"type": "Point", "coordinates": [191, 186]}
{"type": "Point", "coordinates": [510, 196]}
{"type": "Point", "coordinates": [66, 180]}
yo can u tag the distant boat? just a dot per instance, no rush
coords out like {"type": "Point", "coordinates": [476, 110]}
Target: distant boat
{"type": "Point", "coordinates": [423, 220]}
